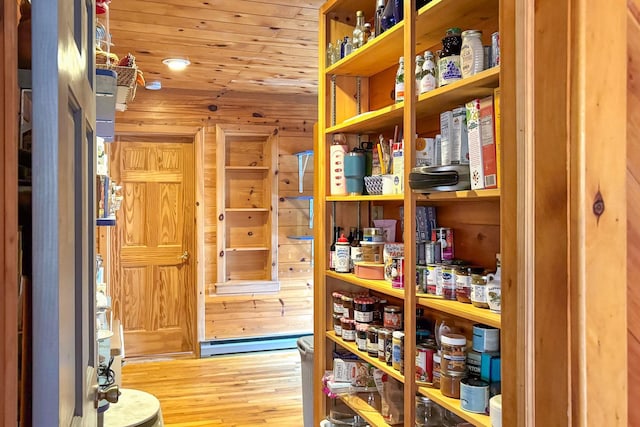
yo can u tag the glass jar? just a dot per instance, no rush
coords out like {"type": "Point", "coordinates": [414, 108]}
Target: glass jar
{"type": "Point", "coordinates": [448, 282]}
{"type": "Point", "coordinates": [454, 353]}
{"type": "Point", "coordinates": [361, 336]}
{"type": "Point", "coordinates": [384, 335]}
{"type": "Point", "coordinates": [347, 306]}
{"type": "Point", "coordinates": [372, 341]}
{"type": "Point", "coordinates": [471, 53]}
{"type": "Point", "coordinates": [337, 324]}
{"type": "Point", "coordinates": [428, 413]}
{"type": "Point", "coordinates": [450, 384]}
{"type": "Point", "coordinates": [449, 63]}
{"type": "Point", "coordinates": [436, 370]}
{"type": "Point", "coordinates": [348, 329]}
{"type": "Point", "coordinates": [337, 302]}
{"type": "Point", "coordinates": [463, 284]}
{"type": "Point", "coordinates": [397, 352]}
{"type": "Point", "coordinates": [479, 289]}
{"type": "Point", "coordinates": [363, 309]}
{"type": "Point", "coordinates": [392, 317]}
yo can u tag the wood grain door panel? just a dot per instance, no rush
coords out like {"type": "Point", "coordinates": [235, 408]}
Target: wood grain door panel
{"type": "Point", "coordinates": [154, 289]}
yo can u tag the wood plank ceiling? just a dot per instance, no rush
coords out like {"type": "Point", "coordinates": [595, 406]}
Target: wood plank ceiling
{"type": "Point", "coordinates": [264, 46]}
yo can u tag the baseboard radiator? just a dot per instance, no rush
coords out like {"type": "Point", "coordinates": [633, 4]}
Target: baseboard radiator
{"type": "Point", "coordinates": [245, 345]}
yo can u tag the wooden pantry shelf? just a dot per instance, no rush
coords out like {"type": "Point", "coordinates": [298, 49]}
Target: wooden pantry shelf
{"type": "Point", "coordinates": [362, 408]}
{"type": "Point", "coordinates": [381, 286]}
{"type": "Point", "coordinates": [466, 195]}
{"type": "Point", "coordinates": [465, 311]}
{"type": "Point", "coordinates": [371, 122]}
{"type": "Point", "coordinates": [439, 15]}
{"type": "Point", "coordinates": [247, 249]}
{"type": "Point", "coordinates": [453, 405]}
{"type": "Point", "coordinates": [365, 198]}
{"type": "Point", "coordinates": [352, 348]}
{"type": "Point", "coordinates": [246, 209]}
{"type": "Point", "coordinates": [375, 56]}
{"type": "Point", "coordinates": [246, 168]}
{"type": "Point", "coordinates": [456, 94]}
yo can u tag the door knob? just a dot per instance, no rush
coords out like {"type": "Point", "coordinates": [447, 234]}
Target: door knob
{"type": "Point", "coordinates": [184, 256]}
{"type": "Point", "coordinates": [110, 394]}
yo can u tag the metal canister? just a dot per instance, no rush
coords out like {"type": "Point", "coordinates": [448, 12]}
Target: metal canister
{"type": "Point", "coordinates": [495, 49]}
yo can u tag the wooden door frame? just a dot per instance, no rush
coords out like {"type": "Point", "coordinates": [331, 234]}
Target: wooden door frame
{"type": "Point", "coordinates": [564, 330]}
{"type": "Point", "coordinates": [9, 216]}
{"type": "Point", "coordinates": [198, 135]}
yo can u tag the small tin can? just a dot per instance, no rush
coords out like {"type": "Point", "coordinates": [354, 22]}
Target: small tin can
{"type": "Point", "coordinates": [485, 338]}
{"type": "Point", "coordinates": [424, 363]}
{"type": "Point", "coordinates": [392, 318]}
{"type": "Point", "coordinates": [474, 395]}
{"type": "Point", "coordinates": [397, 273]}
{"type": "Point", "coordinates": [444, 236]}
{"type": "Point", "coordinates": [495, 49]}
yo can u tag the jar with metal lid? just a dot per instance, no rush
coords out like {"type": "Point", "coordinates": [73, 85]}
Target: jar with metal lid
{"type": "Point", "coordinates": [392, 317]}
{"type": "Point", "coordinates": [361, 336]}
{"type": "Point", "coordinates": [337, 324]}
{"type": "Point", "coordinates": [448, 282]}
{"type": "Point", "coordinates": [348, 329]}
{"type": "Point", "coordinates": [428, 413]}
{"type": "Point", "coordinates": [337, 302]}
{"type": "Point", "coordinates": [379, 309]}
{"type": "Point", "coordinates": [463, 284]}
{"type": "Point", "coordinates": [385, 339]}
{"type": "Point", "coordinates": [471, 53]}
{"type": "Point", "coordinates": [479, 289]}
{"type": "Point", "coordinates": [454, 353]}
{"type": "Point", "coordinates": [397, 352]}
{"type": "Point", "coordinates": [372, 341]}
{"type": "Point", "coordinates": [435, 381]}
{"type": "Point", "coordinates": [450, 383]}
{"type": "Point", "coordinates": [363, 309]}
{"type": "Point", "coordinates": [347, 306]}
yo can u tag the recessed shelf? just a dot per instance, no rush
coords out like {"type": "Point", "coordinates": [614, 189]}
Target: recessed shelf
{"type": "Point", "coordinates": [462, 310]}
{"type": "Point", "coordinates": [371, 122]}
{"type": "Point", "coordinates": [453, 405]}
{"type": "Point", "coordinates": [246, 209]}
{"type": "Point", "coordinates": [247, 249]}
{"type": "Point", "coordinates": [366, 198]}
{"type": "Point", "coordinates": [246, 168]}
{"type": "Point", "coordinates": [466, 195]}
{"type": "Point", "coordinates": [362, 408]}
{"type": "Point", "coordinates": [381, 286]}
{"type": "Point", "coordinates": [351, 346]}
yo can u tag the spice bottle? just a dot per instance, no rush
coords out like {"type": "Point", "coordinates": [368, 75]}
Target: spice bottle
{"type": "Point", "coordinates": [342, 255]}
{"type": "Point", "coordinates": [400, 80]}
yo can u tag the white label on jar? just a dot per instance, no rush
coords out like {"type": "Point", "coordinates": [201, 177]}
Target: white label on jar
{"type": "Point", "coordinates": [363, 316]}
{"type": "Point", "coordinates": [348, 334]}
{"type": "Point", "coordinates": [337, 308]}
{"type": "Point", "coordinates": [478, 293]}
{"type": "Point", "coordinates": [361, 343]}
{"type": "Point", "coordinates": [338, 330]}
{"type": "Point", "coordinates": [463, 282]}
{"type": "Point", "coordinates": [449, 70]}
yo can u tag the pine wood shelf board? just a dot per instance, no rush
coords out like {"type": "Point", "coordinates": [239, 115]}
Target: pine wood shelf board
{"type": "Point", "coordinates": [453, 405]}
{"type": "Point", "coordinates": [440, 15]}
{"type": "Point", "coordinates": [247, 249]}
{"type": "Point", "coordinates": [246, 168]}
{"type": "Point", "coordinates": [366, 198]}
{"type": "Point", "coordinates": [457, 94]}
{"type": "Point", "coordinates": [362, 408]}
{"type": "Point", "coordinates": [246, 209]}
{"type": "Point", "coordinates": [467, 195]}
{"type": "Point", "coordinates": [338, 7]}
{"type": "Point", "coordinates": [381, 286]}
{"type": "Point", "coordinates": [352, 348]}
{"type": "Point", "coordinates": [371, 122]}
{"type": "Point", "coordinates": [247, 287]}
{"type": "Point", "coordinates": [375, 56]}
{"type": "Point", "coordinates": [464, 311]}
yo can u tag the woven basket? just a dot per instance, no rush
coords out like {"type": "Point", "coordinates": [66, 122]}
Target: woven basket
{"type": "Point", "coordinates": [126, 78]}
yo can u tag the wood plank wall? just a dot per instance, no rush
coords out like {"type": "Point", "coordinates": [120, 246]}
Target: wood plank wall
{"type": "Point", "coordinates": [291, 310]}
{"type": "Point", "coordinates": [633, 207]}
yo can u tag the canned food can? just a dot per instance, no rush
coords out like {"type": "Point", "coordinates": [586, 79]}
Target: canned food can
{"type": "Point", "coordinates": [424, 363]}
{"type": "Point", "coordinates": [397, 273]}
{"type": "Point", "coordinates": [474, 395]}
{"type": "Point", "coordinates": [444, 236]}
{"type": "Point", "coordinates": [432, 273]}
{"type": "Point", "coordinates": [495, 49]}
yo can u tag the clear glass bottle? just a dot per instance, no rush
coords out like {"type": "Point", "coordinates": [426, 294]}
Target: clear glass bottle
{"type": "Point", "coordinates": [377, 21]}
{"type": "Point", "coordinates": [338, 50]}
{"type": "Point", "coordinates": [348, 46]}
{"type": "Point", "coordinates": [471, 53]}
{"type": "Point", "coordinates": [358, 31]}
{"type": "Point", "coordinates": [400, 80]}
{"type": "Point", "coordinates": [367, 32]}
{"type": "Point", "coordinates": [419, 72]}
{"type": "Point", "coordinates": [428, 81]}
{"type": "Point", "coordinates": [330, 54]}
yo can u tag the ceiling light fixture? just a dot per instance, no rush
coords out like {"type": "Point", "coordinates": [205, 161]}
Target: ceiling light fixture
{"type": "Point", "coordinates": [176, 64]}
{"type": "Point", "coordinates": [154, 85]}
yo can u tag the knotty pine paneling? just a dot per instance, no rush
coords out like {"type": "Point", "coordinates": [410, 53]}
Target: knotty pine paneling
{"type": "Point", "coordinates": [290, 310]}
{"type": "Point", "coordinates": [633, 207]}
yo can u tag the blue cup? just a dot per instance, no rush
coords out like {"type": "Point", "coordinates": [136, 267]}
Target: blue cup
{"type": "Point", "coordinates": [354, 165]}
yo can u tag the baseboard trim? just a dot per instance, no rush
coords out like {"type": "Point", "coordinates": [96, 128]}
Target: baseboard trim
{"type": "Point", "coordinates": [245, 345]}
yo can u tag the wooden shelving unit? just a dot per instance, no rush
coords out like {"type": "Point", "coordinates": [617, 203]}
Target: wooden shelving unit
{"type": "Point", "coordinates": [370, 71]}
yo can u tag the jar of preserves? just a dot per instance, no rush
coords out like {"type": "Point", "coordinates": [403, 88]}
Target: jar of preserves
{"type": "Point", "coordinates": [463, 284]}
{"type": "Point", "coordinates": [479, 289]}
{"type": "Point", "coordinates": [454, 353]}
{"type": "Point", "coordinates": [337, 324]}
{"type": "Point", "coordinates": [347, 306]}
{"type": "Point", "coordinates": [348, 329]}
{"type": "Point", "coordinates": [471, 53]}
{"type": "Point", "coordinates": [450, 384]}
{"type": "Point", "coordinates": [449, 63]}
{"type": "Point", "coordinates": [385, 338]}
{"type": "Point", "coordinates": [363, 309]}
{"type": "Point", "coordinates": [337, 302]}
{"type": "Point", "coordinates": [361, 336]}
{"type": "Point", "coordinates": [392, 317]}
{"type": "Point", "coordinates": [372, 341]}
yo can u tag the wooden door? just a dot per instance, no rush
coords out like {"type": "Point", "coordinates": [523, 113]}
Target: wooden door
{"type": "Point", "coordinates": [63, 214]}
{"type": "Point", "coordinates": [153, 275]}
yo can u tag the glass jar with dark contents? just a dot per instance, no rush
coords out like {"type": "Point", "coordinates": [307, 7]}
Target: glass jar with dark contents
{"type": "Point", "coordinates": [372, 341]}
{"type": "Point", "coordinates": [463, 284]}
{"type": "Point", "coordinates": [361, 336]}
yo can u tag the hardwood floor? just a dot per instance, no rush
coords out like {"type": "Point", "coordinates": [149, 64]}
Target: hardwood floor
{"type": "Point", "coordinates": [262, 388]}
